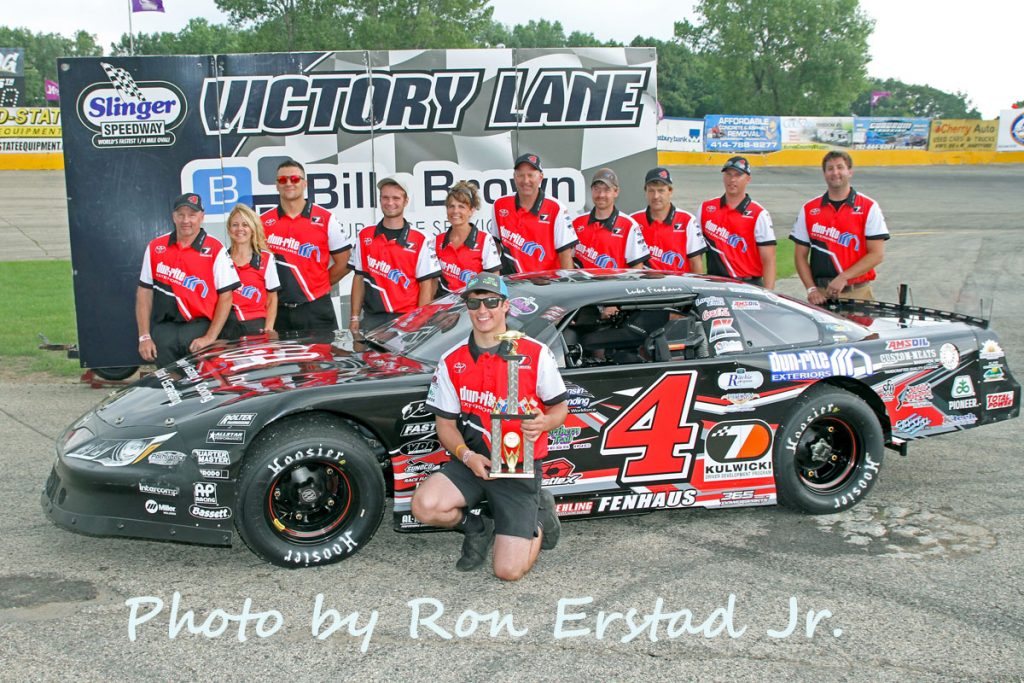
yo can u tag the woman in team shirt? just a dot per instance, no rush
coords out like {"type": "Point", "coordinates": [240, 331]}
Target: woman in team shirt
{"type": "Point", "coordinates": [464, 250]}
{"type": "Point", "coordinates": [254, 304]}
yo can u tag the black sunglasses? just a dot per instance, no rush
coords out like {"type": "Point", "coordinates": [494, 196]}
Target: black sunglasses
{"type": "Point", "coordinates": [295, 179]}
{"type": "Point", "coordinates": [490, 302]}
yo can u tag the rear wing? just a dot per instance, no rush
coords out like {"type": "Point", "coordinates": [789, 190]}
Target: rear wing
{"type": "Point", "coordinates": [904, 312]}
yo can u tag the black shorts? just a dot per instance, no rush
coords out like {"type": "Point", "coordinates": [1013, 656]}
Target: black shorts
{"type": "Point", "coordinates": [310, 315]}
{"type": "Point", "coordinates": [513, 502]}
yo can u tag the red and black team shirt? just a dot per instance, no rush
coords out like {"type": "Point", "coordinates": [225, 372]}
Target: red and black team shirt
{"type": "Point", "coordinates": [614, 242]}
{"type": "Point", "coordinates": [393, 263]}
{"type": "Point", "coordinates": [733, 236]}
{"type": "Point", "coordinates": [469, 381]}
{"type": "Point", "coordinates": [302, 247]}
{"type": "Point", "coordinates": [458, 264]}
{"type": "Point", "coordinates": [259, 278]}
{"type": "Point", "coordinates": [673, 240]}
{"type": "Point", "coordinates": [532, 236]}
{"type": "Point", "coordinates": [188, 279]}
{"type": "Point", "coordinates": [838, 237]}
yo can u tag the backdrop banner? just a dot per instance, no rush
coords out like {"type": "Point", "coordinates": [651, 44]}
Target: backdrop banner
{"type": "Point", "coordinates": [680, 135]}
{"type": "Point", "coordinates": [732, 133]}
{"type": "Point", "coordinates": [963, 135]}
{"type": "Point", "coordinates": [144, 129]}
{"type": "Point", "coordinates": [30, 130]}
{"type": "Point", "coordinates": [817, 132]}
{"type": "Point", "coordinates": [890, 133]}
{"type": "Point", "coordinates": [1011, 131]}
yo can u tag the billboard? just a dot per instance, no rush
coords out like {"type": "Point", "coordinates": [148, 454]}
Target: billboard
{"type": "Point", "coordinates": [741, 133]}
{"type": "Point", "coordinates": [1011, 131]}
{"type": "Point", "coordinates": [963, 135]}
{"type": "Point", "coordinates": [30, 130]}
{"type": "Point", "coordinates": [890, 133]}
{"type": "Point", "coordinates": [12, 76]}
{"type": "Point", "coordinates": [817, 132]}
{"type": "Point", "coordinates": [680, 135]}
{"type": "Point", "coordinates": [144, 129]}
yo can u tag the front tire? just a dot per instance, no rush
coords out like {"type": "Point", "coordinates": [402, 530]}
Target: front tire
{"type": "Point", "coordinates": [310, 493]}
{"type": "Point", "coordinates": [828, 452]}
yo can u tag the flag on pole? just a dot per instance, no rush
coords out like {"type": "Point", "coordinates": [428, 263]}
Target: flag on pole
{"type": "Point", "coordinates": [52, 90]}
{"type": "Point", "coordinates": [879, 94]}
{"type": "Point", "coordinates": [147, 5]}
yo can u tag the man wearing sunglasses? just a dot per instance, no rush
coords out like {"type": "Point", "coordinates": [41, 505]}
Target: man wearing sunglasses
{"type": "Point", "coordinates": [311, 252]}
{"type": "Point", "coordinates": [467, 382]}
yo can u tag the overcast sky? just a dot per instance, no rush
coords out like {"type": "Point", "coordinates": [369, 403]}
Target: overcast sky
{"type": "Point", "coordinates": [953, 46]}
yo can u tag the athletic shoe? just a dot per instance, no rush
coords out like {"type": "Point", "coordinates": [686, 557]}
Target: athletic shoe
{"type": "Point", "coordinates": [548, 519]}
{"type": "Point", "coordinates": [475, 546]}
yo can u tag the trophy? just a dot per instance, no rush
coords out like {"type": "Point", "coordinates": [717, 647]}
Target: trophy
{"type": "Point", "coordinates": [511, 453]}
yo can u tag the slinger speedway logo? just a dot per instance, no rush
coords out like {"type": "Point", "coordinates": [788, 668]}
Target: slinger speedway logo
{"type": "Point", "coordinates": [128, 113]}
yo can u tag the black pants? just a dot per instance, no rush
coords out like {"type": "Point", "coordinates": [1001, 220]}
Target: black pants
{"type": "Point", "coordinates": [172, 339]}
{"type": "Point", "coordinates": [311, 315]}
{"type": "Point", "coordinates": [235, 328]}
{"type": "Point", "coordinates": [759, 281]}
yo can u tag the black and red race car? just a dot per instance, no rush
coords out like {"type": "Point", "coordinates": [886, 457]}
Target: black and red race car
{"type": "Point", "coordinates": [684, 391]}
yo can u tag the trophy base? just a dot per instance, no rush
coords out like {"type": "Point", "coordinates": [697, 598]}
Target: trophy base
{"type": "Point", "coordinates": [512, 475]}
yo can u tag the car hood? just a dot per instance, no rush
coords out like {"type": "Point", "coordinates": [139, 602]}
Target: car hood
{"type": "Point", "coordinates": [226, 374]}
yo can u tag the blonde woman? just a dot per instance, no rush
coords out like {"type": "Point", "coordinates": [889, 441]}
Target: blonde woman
{"type": "Point", "coordinates": [254, 304]}
{"type": "Point", "coordinates": [464, 250]}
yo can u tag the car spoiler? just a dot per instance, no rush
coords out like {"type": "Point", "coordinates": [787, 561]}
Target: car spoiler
{"type": "Point", "coordinates": [904, 312]}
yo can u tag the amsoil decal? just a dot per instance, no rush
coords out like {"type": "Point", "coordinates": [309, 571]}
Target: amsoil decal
{"type": "Point", "coordinates": [126, 113]}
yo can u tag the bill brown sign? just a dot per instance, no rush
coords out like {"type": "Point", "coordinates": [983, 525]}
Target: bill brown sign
{"type": "Point", "coordinates": [140, 130]}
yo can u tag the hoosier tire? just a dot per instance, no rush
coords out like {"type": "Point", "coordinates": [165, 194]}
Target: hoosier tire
{"type": "Point", "coordinates": [828, 452]}
{"type": "Point", "coordinates": [310, 493]}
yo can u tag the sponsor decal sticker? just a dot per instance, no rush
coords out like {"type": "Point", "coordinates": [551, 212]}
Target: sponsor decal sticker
{"type": "Point", "coordinates": [419, 428]}
{"type": "Point", "coordinates": [561, 438]}
{"type": "Point", "coordinates": [237, 420]}
{"type": "Point", "coordinates": [917, 395]}
{"type": "Point", "coordinates": [1003, 399]}
{"type": "Point", "coordinates": [720, 312]}
{"type": "Point", "coordinates": [559, 472]}
{"type": "Point", "coordinates": [415, 410]}
{"type": "Point", "coordinates": [813, 364]}
{"type": "Point", "coordinates": [168, 458]}
{"type": "Point", "coordinates": [153, 507]}
{"type": "Point", "coordinates": [906, 344]}
{"type": "Point", "coordinates": [949, 356]}
{"type": "Point", "coordinates": [225, 436]}
{"type": "Point", "coordinates": [746, 305]}
{"type": "Point", "coordinates": [157, 489]}
{"type": "Point", "coordinates": [522, 305]}
{"type": "Point", "coordinates": [581, 507]}
{"type": "Point", "coordinates": [993, 373]}
{"type": "Point", "coordinates": [208, 456]}
{"type": "Point", "coordinates": [124, 112]}
{"type": "Point", "coordinates": [217, 513]}
{"type": "Point", "coordinates": [709, 301]}
{"type": "Point", "coordinates": [728, 346]}
{"type": "Point", "coordinates": [963, 403]}
{"type": "Point", "coordinates": [648, 501]}
{"type": "Point", "coordinates": [422, 447]}
{"type": "Point", "coordinates": [913, 424]}
{"type": "Point", "coordinates": [205, 493]}
{"type": "Point", "coordinates": [962, 387]}
{"type": "Point", "coordinates": [990, 350]}
{"type": "Point", "coordinates": [741, 379]}
{"type": "Point", "coordinates": [208, 473]}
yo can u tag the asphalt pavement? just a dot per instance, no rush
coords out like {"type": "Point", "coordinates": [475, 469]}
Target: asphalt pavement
{"type": "Point", "coordinates": [921, 581]}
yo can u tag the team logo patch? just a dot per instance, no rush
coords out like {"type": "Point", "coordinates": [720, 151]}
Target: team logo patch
{"type": "Point", "coordinates": [740, 440]}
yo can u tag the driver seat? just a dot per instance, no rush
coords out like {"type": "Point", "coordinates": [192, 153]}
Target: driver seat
{"type": "Point", "coordinates": [680, 338]}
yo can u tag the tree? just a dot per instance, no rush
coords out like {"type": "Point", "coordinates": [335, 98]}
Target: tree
{"type": "Point", "coordinates": [907, 99]}
{"type": "Point", "coordinates": [199, 37]}
{"type": "Point", "coordinates": [785, 57]}
{"type": "Point", "coordinates": [41, 53]}
{"type": "Point", "coordinates": [684, 79]}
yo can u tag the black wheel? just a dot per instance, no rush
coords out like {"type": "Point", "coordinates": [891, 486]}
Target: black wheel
{"type": "Point", "coordinates": [310, 493]}
{"type": "Point", "coordinates": [115, 374]}
{"type": "Point", "coordinates": [828, 452]}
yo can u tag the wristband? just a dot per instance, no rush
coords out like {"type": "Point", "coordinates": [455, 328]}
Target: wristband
{"type": "Point", "coordinates": [144, 337]}
{"type": "Point", "coordinates": [354, 319]}
{"type": "Point", "coordinates": [459, 448]}
{"type": "Point", "coordinates": [811, 290]}
{"type": "Point", "coordinates": [465, 457]}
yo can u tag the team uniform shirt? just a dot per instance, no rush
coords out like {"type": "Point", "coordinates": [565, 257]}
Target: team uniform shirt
{"type": "Point", "coordinates": [613, 242]}
{"type": "Point", "coordinates": [733, 235]}
{"type": "Point", "coordinates": [458, 264]}
{"type": "Point", "coordinates": [393, 263]}
{"type": "Point", "coordinates": [838, 237]}
{"type": "Point", "coordinates": [189, 278]}
{"type": "Point", "coordinates": [258, 278]}
{"type": "Point", "coordinates": [673, 240]}
{"type": "Point", "coordinates": [303, 246]}
{"type": "Point", "coordinates": [533, 236]}
{"type": "Point", "coordinates": [469, 382]}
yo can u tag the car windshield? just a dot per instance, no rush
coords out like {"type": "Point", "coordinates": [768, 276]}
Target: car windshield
{"type": "Point", "coordinates": [428, 332]}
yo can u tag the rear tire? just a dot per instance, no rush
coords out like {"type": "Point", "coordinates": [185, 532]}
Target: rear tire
{"type": "Point", "coordinates": [310, 493]}
{"type": "Point", "coordinates": [828, 452]}
{"type": "Point", "coordinates": [115, 374]}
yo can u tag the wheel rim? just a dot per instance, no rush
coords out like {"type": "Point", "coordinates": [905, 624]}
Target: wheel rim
{"type": "Point", "coordinates": [828, 454]}
{"type": "Point", "coordinates": [308, 501]}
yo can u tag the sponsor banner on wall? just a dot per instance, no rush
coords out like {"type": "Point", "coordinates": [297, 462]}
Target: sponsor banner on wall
{"type": "Point", "coordinates": [12, 76]}
{"type": "Point", "coordinates": [963, 135]}
{"type": "Point", "coordinates": [1011, 131]}
{"type": "Point", "coordinates": [30, 130]}
{"type": "Point", "coordinates": [817, 132]}
{"type": "Point", "coordinates": [890, 133]}
{"type": "Point", "coordinates": [153, 127]}
{"type": "Point", "coordinates": [741, 133]}
{"type": "Point", "coordinates": [680, 135]}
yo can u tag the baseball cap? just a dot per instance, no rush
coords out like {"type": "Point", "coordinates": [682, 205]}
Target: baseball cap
{"type": "Point", "coordinates": [531, 159]}
{"type": "Point", "coordinates": [486, 282]}
{"type": "Point", "coordinates": [658, 175]}
{"type": "Point", "coordinates": [189, 199]}
{"type": "Point", "coordinates": [606, 176]}
{"type": "Point", "coordinates": [739, 163]}
{"type": "Point", "coordinates": [395, 180]}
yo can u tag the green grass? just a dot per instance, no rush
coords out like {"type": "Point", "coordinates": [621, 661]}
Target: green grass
{"type": "Point", "coordinates": [36, 296]}
{"type": "Point", "coordinates": [784, 259]}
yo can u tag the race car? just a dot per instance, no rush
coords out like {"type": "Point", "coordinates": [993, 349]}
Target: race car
{"type": "Point", "coordinates": [683, 390]}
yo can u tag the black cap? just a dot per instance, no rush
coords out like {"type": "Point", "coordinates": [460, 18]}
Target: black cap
{"type": "Point", "coordinates": [739, 163]}
{"type": "Point", "coordinates": [658, 175]}
{"type": "Point", "coordinates": [531, 159]}
{"type": "Point", "coordinates": [189, 199]}
{"type": "Point", "coordinates": [486, 282]}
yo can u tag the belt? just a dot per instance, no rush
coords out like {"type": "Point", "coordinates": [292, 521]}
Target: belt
{"type": "Point", "coordinates": [289, 304]}
{"type": "Point", "coordinates": [823, 283]}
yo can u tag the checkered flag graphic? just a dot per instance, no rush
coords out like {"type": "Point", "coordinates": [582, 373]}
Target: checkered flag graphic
{"type": "Point", "coordinates": [123, 83]}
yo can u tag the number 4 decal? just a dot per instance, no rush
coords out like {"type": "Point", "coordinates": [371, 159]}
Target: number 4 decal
{"type": "Point", "coordinates": [654, 434]}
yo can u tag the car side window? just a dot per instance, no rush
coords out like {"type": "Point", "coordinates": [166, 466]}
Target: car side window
{"type": "Point", "coordinates": [765, 325]}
